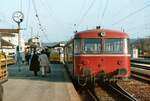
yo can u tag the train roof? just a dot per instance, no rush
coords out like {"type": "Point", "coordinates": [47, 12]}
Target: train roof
{"type": "Point", "coordinates": [97, 33]}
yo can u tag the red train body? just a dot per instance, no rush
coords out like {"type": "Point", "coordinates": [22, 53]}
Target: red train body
{"type": "Point", "coordinates": [98, 53]}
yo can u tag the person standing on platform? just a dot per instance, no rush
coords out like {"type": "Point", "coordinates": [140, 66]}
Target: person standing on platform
{"type": "Point", "coordinates": [44, 63]}
{"type": "Point", "coordinates": [35, 65]}
{"type": "Point", "coordinates": [27, 56]}
{"type": "Point", "coordinates": [47, 52]}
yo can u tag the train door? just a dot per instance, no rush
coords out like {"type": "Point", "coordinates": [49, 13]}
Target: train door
{"type": "Point", "coordinates": [69, 57]}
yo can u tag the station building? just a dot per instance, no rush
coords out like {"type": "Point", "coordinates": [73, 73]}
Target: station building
{"type": "Point", "coordinates": [9, 41]}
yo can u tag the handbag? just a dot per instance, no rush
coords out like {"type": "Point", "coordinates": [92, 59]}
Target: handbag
{"type": "Point", "coordinates": [48, 69]}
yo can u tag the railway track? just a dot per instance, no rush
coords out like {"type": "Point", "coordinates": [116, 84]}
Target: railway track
{"type": "Point", "coordinates": [115, 92]}
{"type": "Point", "coordinates": [91, 95]}
{"type": "Point", "coordinates": [120, 91]}
{"type": "Point", "coordinates": [140, 70]}
{"type": "Point", "coordinates": [86, 93]}
{"type": "Point", "coordinates": [144, 61]}
{"type": "Point", "coordinates": [139, 89]}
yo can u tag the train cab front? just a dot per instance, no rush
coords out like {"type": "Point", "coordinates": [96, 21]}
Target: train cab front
{"type": "Point", "coordinates": [101, 52]}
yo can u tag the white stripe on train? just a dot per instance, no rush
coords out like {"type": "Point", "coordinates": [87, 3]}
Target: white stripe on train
{"type": "Point", "coordinates": [103, 55]}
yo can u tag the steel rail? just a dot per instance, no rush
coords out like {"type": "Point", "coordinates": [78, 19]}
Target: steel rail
{"type": "Point", "coordinates": [143, 66]}
{"type": "Point", "coordinates": [140, 71]}
{"type": "Point", "coordinates": [122, 92]}
{"type": "Point", "coordinates": [86, 88]}
{"type": "Point", "coordinates": [141, 61]}
{"type": "Point", "coordinates": [140, 76]}
{"type": "Point", "coordinates": [92, 94]}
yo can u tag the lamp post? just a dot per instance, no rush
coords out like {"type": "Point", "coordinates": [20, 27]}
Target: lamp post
{"type": "Point", "coordinates": [18, 18]}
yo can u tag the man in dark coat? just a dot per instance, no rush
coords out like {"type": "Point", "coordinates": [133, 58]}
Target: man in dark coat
{"type": "Point", "coordinates": [35, 65]}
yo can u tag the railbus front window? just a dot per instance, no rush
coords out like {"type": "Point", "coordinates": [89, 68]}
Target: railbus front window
{"type": "Point", "coordinates": [91, 46]}
{"type": "Point", "coordinates": [114, 46]}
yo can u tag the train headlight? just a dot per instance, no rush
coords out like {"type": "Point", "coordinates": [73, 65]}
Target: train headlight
{"type": "Point", "coordinates": [102, 34]}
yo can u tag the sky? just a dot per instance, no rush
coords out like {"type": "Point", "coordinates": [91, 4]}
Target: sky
{"type": "Point", "coordinates": [60, 18]}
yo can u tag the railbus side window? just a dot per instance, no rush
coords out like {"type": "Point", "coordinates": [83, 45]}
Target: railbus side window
{"type": "Point", "coordinates": [70, 54]}
{"type": "Point", "coordinates": [77, 46]}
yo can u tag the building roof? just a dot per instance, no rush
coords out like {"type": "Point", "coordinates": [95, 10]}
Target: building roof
{"type": "Point", "coordinates": [6, 43]}
{"type": "Point", "coordinates": [9, 30]}
{"type": "Point", "coordinates": [7, 34]}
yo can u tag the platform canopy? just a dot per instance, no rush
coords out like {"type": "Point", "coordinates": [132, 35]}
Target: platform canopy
{"type": "Point", "coordinates": [8, 33]}
{"type": "Point", "coordinates": [6, 43]}
{"type": "Point", "coordinates": [9, 30]}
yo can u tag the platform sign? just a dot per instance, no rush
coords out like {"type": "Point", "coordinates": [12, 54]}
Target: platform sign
{"type": "Point", "coordinates": [135, 53]}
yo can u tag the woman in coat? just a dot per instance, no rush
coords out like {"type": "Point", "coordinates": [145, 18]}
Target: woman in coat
{"type": "Point", "coordinates": [35, 65]}
{"type": "Point", "coordinates": [44, 63]}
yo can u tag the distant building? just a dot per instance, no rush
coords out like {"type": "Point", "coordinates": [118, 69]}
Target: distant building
{"type": "Point", "coordinates": [34, 43]}
{"type": "Point", "coordinates": [9, 42]}
{"type": "Point", "coordinates": [143, 46]}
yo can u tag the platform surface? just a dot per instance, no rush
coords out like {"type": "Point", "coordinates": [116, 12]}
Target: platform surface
{"type": "Point", "coordinates": [24, 86]}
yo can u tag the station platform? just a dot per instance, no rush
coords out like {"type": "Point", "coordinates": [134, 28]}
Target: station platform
{"type": "Point", "coordinates": [24, 86]}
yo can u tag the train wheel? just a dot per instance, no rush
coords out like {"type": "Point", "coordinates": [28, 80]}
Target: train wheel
{"type": "Point", "coordinates": [82, 82]}
{"type": "Point", "coordinates": [112, 80]}
{"type": "Point", "coordinates": [93, 81]}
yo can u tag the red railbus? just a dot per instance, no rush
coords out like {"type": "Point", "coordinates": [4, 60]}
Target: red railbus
{"type": "Point", "coordinates": [98, 53]}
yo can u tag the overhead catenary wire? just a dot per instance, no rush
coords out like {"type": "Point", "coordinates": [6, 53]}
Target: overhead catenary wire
{"type": "Point", "coordinates": [86, 12]}
{"type": "Point", "coordinates": [103, 14]}
{"type": "Point", "coordinates": [54, 18]}
{"type": "Point", "coordinates": [139, 26]}
{"type": "Point", "coordinates": [82, 7]}
{"type": "Point", "coordinates": [99, 7]}
{"type": "Point", "coordinates": [36, 13]}
{"type": "Point", "coordinates": [131, 14]}
{"type": "Point", "coordinates": [28, 14]}
{"type": "Point", "coordinates": [20, 5]}
{"type": "Point", "coordinates": [39, 22]}
{"type": "Point", "coordinates": [49, 11]}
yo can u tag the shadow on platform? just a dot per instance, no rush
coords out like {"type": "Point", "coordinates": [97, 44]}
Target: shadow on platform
{"type": "Point", "coordinates": [58, 73]}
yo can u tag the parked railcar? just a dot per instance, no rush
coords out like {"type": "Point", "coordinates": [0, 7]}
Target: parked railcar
{"type": "Point", "coordinates": [56, 55]}
{"type": "Point", "coordinates": [98, 53]}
